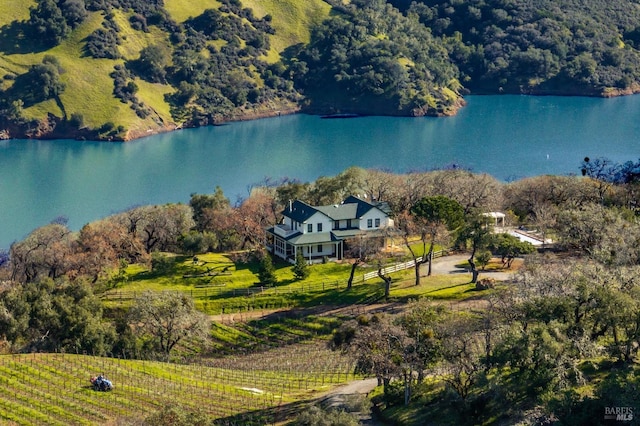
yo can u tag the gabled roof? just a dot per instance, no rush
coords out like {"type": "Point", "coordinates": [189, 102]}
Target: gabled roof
{"type": "Point", "coordinates": [340, 211]}
{"type": "Point", "coordinates": [299, 211]}
{"type": "Point", "coordinates": [351, 208]}
{"type": "Point", "coordinates": [383, 206]}
{"type": "Point", "coordinates": [363, 206]}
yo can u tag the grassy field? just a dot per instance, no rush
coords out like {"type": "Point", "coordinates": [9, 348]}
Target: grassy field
{"type": "Point", "coordinates": [88, 86]}
{"type": "Point", "coordinates": [54, 389]}
{"type": "Point", "coordinates": [292, 20]}
{"type": "Point", "coordinates": [181, 10]}
{"type": "Point", "coordinates": [15, 11]}
{"type": "Point", "coordinates": [287, 367]}
{"type": "Point", "coordinates": [219, 285]}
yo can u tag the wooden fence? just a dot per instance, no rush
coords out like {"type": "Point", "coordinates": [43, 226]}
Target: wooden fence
{"type": "Point", "coordinates": [400, 266]}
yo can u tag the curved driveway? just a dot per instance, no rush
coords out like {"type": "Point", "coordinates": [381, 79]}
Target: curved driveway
{"type": "Point", "coordinates": [450, 265]}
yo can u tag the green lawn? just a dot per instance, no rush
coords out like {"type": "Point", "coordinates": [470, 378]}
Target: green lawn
{"type": "Point", "coordinates": [220, 285]}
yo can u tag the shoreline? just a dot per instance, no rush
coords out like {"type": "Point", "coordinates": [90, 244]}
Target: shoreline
{"type": "Point", "coordinates": [49, 126]}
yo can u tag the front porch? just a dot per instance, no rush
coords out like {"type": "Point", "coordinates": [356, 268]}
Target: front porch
{"type": "Point", "coordinates": [316, 248]}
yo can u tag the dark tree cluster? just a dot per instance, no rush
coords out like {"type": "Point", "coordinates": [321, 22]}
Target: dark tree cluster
{"type": "Point", "coordinates": [542, 46]}
{"type": "Point", "coordinates": [39, 83]}
{"type": "Point", "coordinates": [212, 84]}
{"type": "Point", "coordinates": [373, 59]}
{"type": "Point", "coordinates": [124, 88]}
{"type": "Point", "coordinates": [389, 57]}
{"type": "Point", "coordinates": [51, 21]}
{"type": "Point", "coordinates": [104, 42]}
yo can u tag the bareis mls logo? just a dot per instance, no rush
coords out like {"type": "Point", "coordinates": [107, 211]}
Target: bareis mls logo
{"type": "Point", "coordinates": [624, 414]}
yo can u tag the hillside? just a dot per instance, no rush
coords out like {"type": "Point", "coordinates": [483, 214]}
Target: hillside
{"type": "Point", "coordinates": [121, 69]}
{"type": "Point", "coordinates": [54, 388]}
{"type": "Point", "coordinates": [549, 338]}
{"type": "Point", "coordinates": [89, 107]}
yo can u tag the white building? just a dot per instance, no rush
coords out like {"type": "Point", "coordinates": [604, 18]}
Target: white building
{"type": "Point", "coordinates": [321, 231]}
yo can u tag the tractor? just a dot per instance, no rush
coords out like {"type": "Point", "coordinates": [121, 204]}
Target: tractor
{"type": "Point", "coordinates": [101, 383]}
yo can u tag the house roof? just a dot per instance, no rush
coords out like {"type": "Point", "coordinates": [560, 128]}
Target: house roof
{"type": "Point", "coordinates": [363, 206]}
{"type": "Point", "coordinates": [299, 238]}
{"type": "Point", "coordinates": [350, 208]}
{"type": "Point", "coordinates": [344, 234]}
{"type": "Point", "coordinates": [313, 238]}
{"type": "Point", "coordinates": [299, 211]}
{"type": "Point", "coordinates": [340, 211]}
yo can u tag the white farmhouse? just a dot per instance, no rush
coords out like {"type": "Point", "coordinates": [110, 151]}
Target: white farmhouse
{"type": "Point", "coordinates": [320, 231]}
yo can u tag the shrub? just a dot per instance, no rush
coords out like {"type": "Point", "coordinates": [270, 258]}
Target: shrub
{"type": "Point", "coordinates": [301, 268]}
{"type": "Point", "coordinates": [161, 263]}
{"type": "Point", "coordinates": [76, 120]}
{"type": "Point", "coordinates": [267, 273]}
{"type": "Point", "coordinates": [315, 416]}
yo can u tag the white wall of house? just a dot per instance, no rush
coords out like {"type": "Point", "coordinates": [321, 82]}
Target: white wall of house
{"type": "Point", "coordinates": [317, 221]}
{"type": "Point", "coordinates": [373, 219]}
{"type": "Point", "coordinates": [319, 250]}
{"type": "Point", "coordinates": [290, 223]}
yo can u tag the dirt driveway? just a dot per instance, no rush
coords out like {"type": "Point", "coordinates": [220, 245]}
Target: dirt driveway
{"type": "Point", "coordinates": [449, 265]}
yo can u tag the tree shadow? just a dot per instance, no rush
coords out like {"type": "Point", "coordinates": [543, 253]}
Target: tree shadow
{"type": "Point", "coordinates": [17, 38]}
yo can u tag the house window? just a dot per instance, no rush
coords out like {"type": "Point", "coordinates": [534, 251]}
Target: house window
{"type": "Point", "coordinates": [319, 227]}
{"type": "Point", "coordinates": [377, 222]}
{"type": "Point", "coordinates": [319, 248]}
{"type": "Point", "coordinates": [369, 223]}
{"type": "Point", "coordinates": [310, 227]}
{"type": "Point", "coordinates": [348, 223]}
{"type": "Point", "coordinates": [336, 224]}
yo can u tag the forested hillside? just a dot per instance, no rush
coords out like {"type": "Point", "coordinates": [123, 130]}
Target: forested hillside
{"type": "Point", "coordinates": [539, 46]}
{"type": "Point", "coordinates": [120, 69]}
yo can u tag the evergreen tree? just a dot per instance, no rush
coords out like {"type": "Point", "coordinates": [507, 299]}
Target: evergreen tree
{"type": "Point", "coordinates": [267, 273]}
{"type": "Point", "coordinates": [301, 268]}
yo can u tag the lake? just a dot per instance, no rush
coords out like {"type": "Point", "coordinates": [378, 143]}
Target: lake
{"type": "Point", "coordinates": [507, 136]}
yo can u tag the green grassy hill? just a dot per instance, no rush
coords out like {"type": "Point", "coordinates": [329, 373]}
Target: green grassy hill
{"type": "Point", "coordinates": [117, 70]}
{"type": "Point", "coordinates": [88, 84]}
{"type": "Point", "coordinates": [54, 389]}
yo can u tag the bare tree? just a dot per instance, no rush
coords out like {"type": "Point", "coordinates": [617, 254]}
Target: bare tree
{"type": "Point", "coordinates": [378, 184]}
{"type": "Point", "coordinates": [359, 249]}
{"type": "Point", "coordinates": [435, 217]}
{"type": "Point", "coordinates": [46, 252]}
{"type": "Point", "coordinates": [103, 244]}
{"type": "Point", "coordinates": [167, 318]}
{"type": "Point", "coordinates": [545, 216]}
{"type": "Point", "coordinates": [475, 232]}
{"type": "Point", "coordinates": [472, 191]}
{"type": "Point", "coordinates": [379, 349]}
{"type": "Point", "coordinates": [462, 349]}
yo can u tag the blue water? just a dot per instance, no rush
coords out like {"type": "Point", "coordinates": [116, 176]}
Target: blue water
{"type": "Point", "coordinates": [507, 136]}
